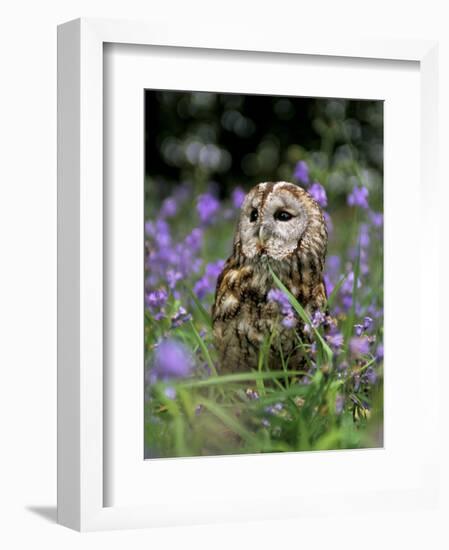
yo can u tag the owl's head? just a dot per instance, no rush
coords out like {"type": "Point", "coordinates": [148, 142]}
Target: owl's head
{"type": "Point", "coordinates": [277, 220]}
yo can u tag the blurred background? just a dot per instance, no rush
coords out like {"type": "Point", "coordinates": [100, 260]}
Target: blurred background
{"type": "Point", "coordinates": [238, 140]}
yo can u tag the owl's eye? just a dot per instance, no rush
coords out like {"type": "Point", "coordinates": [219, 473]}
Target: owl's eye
{"type": "Point", "coordinates": [282, 216]}
{"type": "Point", "coordinates": [253, 216]}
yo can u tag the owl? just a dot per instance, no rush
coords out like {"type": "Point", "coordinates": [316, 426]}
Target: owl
{"type": "Point", "coordinates": [280, 227]}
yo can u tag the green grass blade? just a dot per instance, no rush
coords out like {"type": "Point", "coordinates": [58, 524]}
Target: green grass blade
{"type": "Point", "coordinates": [204, 349]}
{"type": "Point", "coordinates": [201, 309]}
{"type": "Point", "coordinates": [229, 421]}
{"type": "Point", "coordinates": [181, 447]}
{"type": "Point", "coordinates": [237, 378]}
{"type": "Point", "coordinates": [284, 365]}
{"type": "Point", "coordinates": [303, 315]}
{"type": "Point", "coordinates": [333, 294]}
{"type": "Point", "coordinates": [260, 363]}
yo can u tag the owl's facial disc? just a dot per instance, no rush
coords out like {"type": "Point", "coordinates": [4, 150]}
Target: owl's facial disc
{"type": "Point", "coordinates": [272, 222]}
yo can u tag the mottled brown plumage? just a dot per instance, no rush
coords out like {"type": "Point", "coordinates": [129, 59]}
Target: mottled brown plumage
{"type": "Point", "coordinates": [280, 226]}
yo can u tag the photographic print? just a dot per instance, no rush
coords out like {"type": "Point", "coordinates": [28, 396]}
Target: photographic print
{"type": "Point", "coordinates": [263, 295]}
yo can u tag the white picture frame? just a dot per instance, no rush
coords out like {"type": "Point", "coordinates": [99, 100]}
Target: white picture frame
{"type": "Point", "coordinates": [81, 405]}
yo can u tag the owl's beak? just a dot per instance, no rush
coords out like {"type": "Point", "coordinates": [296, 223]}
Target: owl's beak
{"type": "Point", "coordinates": [262, 235]}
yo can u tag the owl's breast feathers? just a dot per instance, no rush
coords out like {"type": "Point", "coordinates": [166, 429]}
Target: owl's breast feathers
{"type": "Point", "coordinates": [243, 315]}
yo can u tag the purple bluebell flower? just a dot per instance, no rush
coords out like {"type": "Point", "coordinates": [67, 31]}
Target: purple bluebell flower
{"type": "Point", "coordinates": [172, 278]}
{"type": "Point", "coordinates": [348, 284]}
{"type": "Point", "coordinates": [276, 295]}
{"type": "Point", "coordinates": [364, 261]}
{"type": "Point", "coordinates": [364, 238]}
{"type": "Point", "coordinates": [318, 318]}
{"type": "Point", "coordinates": [328, 284]}
{"type": "Point", "coordinates": [335, 340]}
{"type": "Point", "coordinates": [169, 208]}
{"type": "Point", "coordinates": [377, 218]}
{"type": "Point", "coordinates": [346, 292]}
{"type": "Point", "coordinates": [156, 299]}
{"type": "Point", "coordinates": [346, 301]}
{"type": "Point", "coordinates": [333, 264]}
{"type": "Point", "coordinates": [273, 409]}
{"type": "Point", "coordinates": [237, 197]}
{"type": "Point", "coordinates": [358, 197]}
{"type": "Point", "coordinates": [374, 311]}
{"type": "Point", "coordinates": [159, 231]}
{"type": "Point", "coordinates": [194, 240]}
{"type": "Point", "coordinates": [328, 222]}
{"type": "Point", "coordinates": [172, 359]}
{"type": "Point", "coordinates": [180, 317]}
{"type": "Point", "coordinates": [172, 263]}
{"type": "Point", "coordinates": [207, 283]}
{"type": "Point", "coordinates": [332, 273]}
{"type": "Point", "coordinates": [251, 394]}
{"type": "Point", "coordinates": [170, 392]}
{"type": "Point", "coordinates": [149, 228]}
{"type": "Point", "coordinates": [289, 320]}
{"type": "Point", "coordinates": [359, 345]}
{"type": "Point", "coordinates": [370, 375]}
{"type": "Point", "coordinates": [301, 172]}
{"type": "Point", "coordinates": [207, 206]}
{"type": "Point", "coordinates": [380, 352]}
{"type": "Point", "coordinates": [265, 423]}
{"type": "Point", "coordinates": [202, 287]}
{"type": "Point", "coordinates": [167, 262]}
{"type": "Point", "coordinates": [361, 328]}
{"type": "Point", "coordinates": [318, 193]}
{"type": "Point", "coordinates": [214, 269]}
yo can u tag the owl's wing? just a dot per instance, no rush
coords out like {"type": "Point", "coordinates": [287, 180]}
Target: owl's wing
{"type": "Point", "coordinates": [219, 289]}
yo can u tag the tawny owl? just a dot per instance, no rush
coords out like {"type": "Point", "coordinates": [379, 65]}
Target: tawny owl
{"type": "Point", "coordinates": [280, 226]}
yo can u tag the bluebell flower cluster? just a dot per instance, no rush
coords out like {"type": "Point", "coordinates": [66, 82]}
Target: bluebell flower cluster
{"type": "Point", "coordinates": [175, 266]}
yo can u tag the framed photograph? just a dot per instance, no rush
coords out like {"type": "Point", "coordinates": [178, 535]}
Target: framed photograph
{"type": "Point", "coordinates": [259, 336]}
{"type": "Point", "coordinates": [235, 217]}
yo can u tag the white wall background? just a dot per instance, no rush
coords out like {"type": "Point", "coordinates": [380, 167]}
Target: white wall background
{"type": "Point", "coordinates": [28, 267]}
